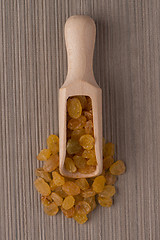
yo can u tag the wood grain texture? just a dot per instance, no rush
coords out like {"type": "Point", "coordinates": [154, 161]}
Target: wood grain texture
{"type": "Point", "coordinates": [33, 67]}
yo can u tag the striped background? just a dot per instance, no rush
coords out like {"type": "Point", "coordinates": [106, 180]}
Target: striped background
{"type": "Point", "coordinates": [33, 67]}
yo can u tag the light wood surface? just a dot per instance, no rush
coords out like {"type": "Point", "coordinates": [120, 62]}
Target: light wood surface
{"type": "Point", "coordinates": [80, 33]}
{"type": "Point", "coordinates": [33, 67]}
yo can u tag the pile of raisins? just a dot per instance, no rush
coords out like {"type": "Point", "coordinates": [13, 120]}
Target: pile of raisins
{"type": "Point", "coordinates": [77, 197]}
{"type": "Point", "coordinates": [80, 155]}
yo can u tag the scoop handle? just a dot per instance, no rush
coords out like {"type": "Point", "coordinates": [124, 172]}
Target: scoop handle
{"type": "Point", "coordinates": [80, 32]}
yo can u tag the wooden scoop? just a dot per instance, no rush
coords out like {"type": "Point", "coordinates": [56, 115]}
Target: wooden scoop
{"type": "Point", "coordinates": [80, 34]}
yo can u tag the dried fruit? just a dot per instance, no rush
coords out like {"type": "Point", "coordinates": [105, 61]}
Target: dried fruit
{"type": "Point", "coordinates": [88, 193]}
{"type": "Point", "coordinates": [109, 149]}
{"type": "Point", "coordinates": [76, 124]}
{"type": "Point", "coordinates": [110, 179]}
{"type": "Point", "coordinates": [52, 185]}
{"type": "Point", "coordinates": [83, 101]}
{"type": "Point", "coordinates": [117, 168]}
{"type": "Point", "coordinates": [53, 144]}
{"type": "Point", "coordinates": [78, 198]}
{"type": "Point", "coordinates": [68, 202]}
{"type": "Point", "coordinates": [66, 192]}
{"type": "Point", "coordinates": [88, 169]}
{"type": "Point", "coordinates": [70, 165]}
{"type": "Point", "coordinates": [57, 199]}
{"type": "Point", "coordinates": [45, 175]}
{"type": "Point", "coordinates": [58, 179]}
{"type": "Point", "coordinates": [86, 141]}
{"type": "Point", "coordinates": [89, 127]}
{"type": "Point", "coordinates": [108, 191]}
{"type": "Point", "coordinates": [80, 218]}
{"type": "Point", "coordinates": [88, 115]}
{"type": "Point", "coordinates": [92, 161]}
{"type": "Point", "coordinates": [82, 183]}
{"type": "Point", "coordinates": [83, 207]}
{"type": "Point", "coordinates": [68, 213]}
{"type": "Point", "coordinates": [79, 161]}
{"type": "Point", "coordinates": [91, 201]}
{"type": "Point", "coordinates": [105, 202]}
{"type": "Point", "coordinates": [88, 154]}
{"type": "Point", "coordinates": [60, 192]}
{"type": "Point", "coordinates": [76, 134]}
{"type": "Point", "coordinates": [51, 164]}
{"type": "Point", "coordinates": [49, 198]}
{"type": "Point", "coordinates": [42, 187]}
{"type": "Point", "coordinates": [73, 146]}
{"type": "Point", "coordinates": [44, 155]}
{"type": "Point", "coordinates": [74, 107]}
{"type": "Point", "coordinates": [89, 104]}
{"type": "Point", "coordinates": [45, 201]}
{"type": "Point", "coordinates": [71, 188]}
{"type": "Point", "coordinates": [51, 209]}
{"type": "Point", "coordinates": [98, 184]}
{"type": "Point", "coordinates": [107, 162]}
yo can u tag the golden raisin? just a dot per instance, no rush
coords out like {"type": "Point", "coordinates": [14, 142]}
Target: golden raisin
{"type": "Point", "coordinates": [44, 155]}
{"type": "Point", "coordinates": [42, 187]}
{"type": "Point", "coordinates": [71, 188]}
{"type": "Point", "coordinates": [76, 134]}
{"type": "Point", "coordinates": [98, 184]}
{"type": "Point", "coordinates": [45, 201]}
{"type": "Point", "coordinates": [79, 161]}
{"type": "Point", "coordinates": [74, 107]}
{"type": "Point", "coordinates": [80, 152]}
{"type": "Point", "coordinates": [68, 213]}
{"type": "Point", "coordinates": [78, 198]}
{"type": "Point", "coordinates": [107, 162]}
{"type": "Point", "coordinates": [52, 185]}
{"type": "Point", "coordinates": [88, 154]}
{"type": "Point", "coordinates": [88, 193]}
{"type": "Point", "coordinates": [89, 104]}
{"type": "Point", "coordinates": [108, 191]}
{"type": "Point", "coordinates": [80, 218]}
{"type": "Point", "coordinates": [83, 207]}
{"type": "Point", "coordinates": [109, 149]}
{"type": "Point", "coordinates": [117, 168]}
{"type": "Point", "coordinates": [88, 115]}
{"type": "Point", "coordinates": [45, 175]}
{"type": "Point", "coordinates": [51, 164]}
{"type": "Point", "coordinates": [53, 144]}
{"type": "Point", "coordinates": [83, 101]}
{"type": "Point", "coordinates": [73, 146]}
{"type": "Point", "coordinates": [76, 124]}
{"type": "Point", "coordinates": [92, 161]}
{"type": "Point", "coordinates": [70, 165]}
{"type": "Point", "coordinates": [51, 209]}
{"type": "Point", "coordinates": [49, 198]}
{"type": "Point", "coordinates": [58, 179]}
{"type": "Point", "coordinates": [56, 198]}
{"type": "Point", "coordinates": [86, 141]}
{"type": "Point", "coordinates": [68, 202]}
{"type": "Point", "coordinates": [105, 202]}
{"type": "Point", "coordinates": [110, 179]}
{"type": "Point", "coordinates": [60, 192]}
{"type": "Point", "coordinates": [82, 183]}
{"type": "Point", "coordinates": [91, 201]}
{"type": "Point", "coordinates": [88, 169]}
{"type": "Point", "coordinates": [89, 128]}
